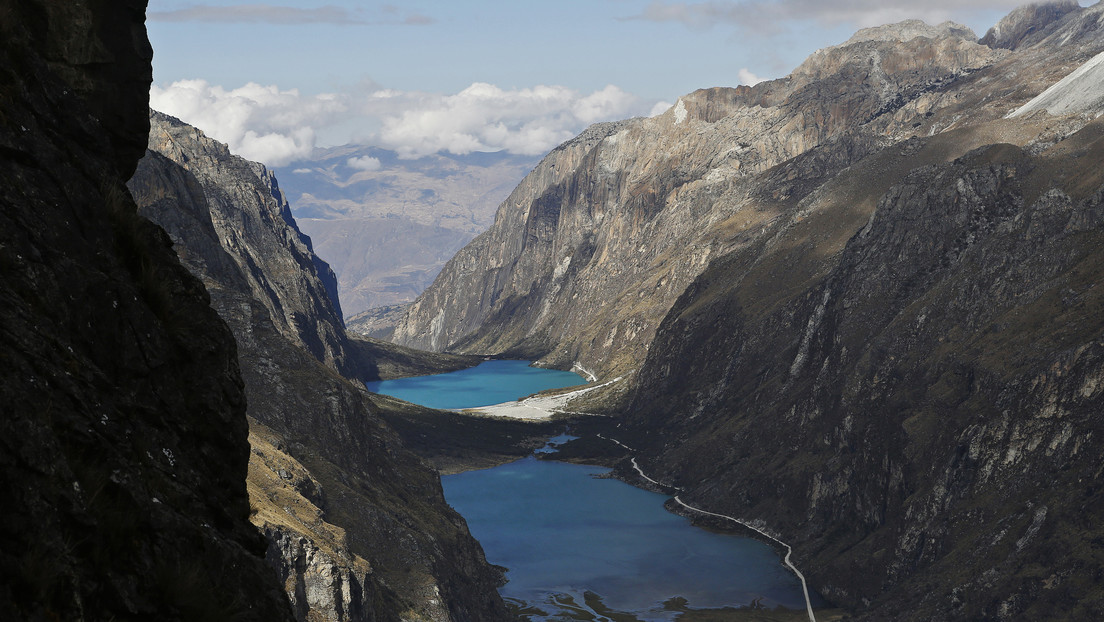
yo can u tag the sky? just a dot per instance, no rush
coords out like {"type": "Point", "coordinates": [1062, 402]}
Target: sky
{"type": "Point", "coordinates": [274, 80]}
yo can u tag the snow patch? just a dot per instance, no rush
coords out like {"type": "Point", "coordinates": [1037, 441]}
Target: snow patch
{"type": "Point", "coordinates": [436, 328]}
{"type": "Point", "coordinates": [680, 111]}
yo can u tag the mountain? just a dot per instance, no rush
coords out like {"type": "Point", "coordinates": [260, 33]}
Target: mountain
{"type": "Point", "coordinates": [330, 485]}
{"type": "Point", "coordinates": [388, 224]}
{"type": "Point", "coordinates": [857, 306]}
{"type": "Point", "coordinates": [590, 251]}
{"type": "Point", "coordinates": [123, 437]}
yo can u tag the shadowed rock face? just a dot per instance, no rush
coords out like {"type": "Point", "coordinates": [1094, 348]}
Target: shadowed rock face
{"type": "Point", "coordinates": [247, 213]}
{"type": "Point", "coordinates": [358, 528]}
{"type": "Point", "coordinates": [922, 421]}
{"type": "Point", "coordinates": [123, 435]}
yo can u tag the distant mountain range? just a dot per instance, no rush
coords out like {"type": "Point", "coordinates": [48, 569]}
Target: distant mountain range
{"type": "Point", "coordinates": [386, 224]}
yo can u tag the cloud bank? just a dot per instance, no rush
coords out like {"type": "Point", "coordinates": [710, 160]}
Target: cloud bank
{"type": "Point", "coordinates": [259, 14]}
{"type": "Point", "coordinates": [277, 126]}
{"type": "Point", "coordinates": [748, 78]}
{"type": "Point", "coordinates": [274, 14]}
{"type": "Point", "coordinates": [770, 14]}
{"type": "Point", "coordinates": [484, 117]}
{"type": "Point", "coordinates": [257, 122]}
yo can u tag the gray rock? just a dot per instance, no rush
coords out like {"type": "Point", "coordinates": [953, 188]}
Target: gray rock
{"type": "Point", "coordinates": [301, 372]}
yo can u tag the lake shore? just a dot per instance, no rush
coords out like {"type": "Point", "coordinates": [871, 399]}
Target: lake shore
{"type": "Point", "coordinates": [536, 407]}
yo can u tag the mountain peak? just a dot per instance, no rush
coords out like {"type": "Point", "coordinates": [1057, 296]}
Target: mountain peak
{"type": "Point", "coordinates": [1014, 29]}
{"type": "Point", "coordinates": [910, 29]}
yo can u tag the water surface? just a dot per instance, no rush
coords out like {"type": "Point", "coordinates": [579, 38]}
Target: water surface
{"type": "Point", "coordinates": [562, 532]}
{"type": "Point", "coordinates": [490, 382]}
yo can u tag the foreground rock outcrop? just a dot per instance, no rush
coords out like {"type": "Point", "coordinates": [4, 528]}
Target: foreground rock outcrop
{"type": "Point", "coordinates": [123, 446]}
{"type": "Point", "coordinates": [358, 528]}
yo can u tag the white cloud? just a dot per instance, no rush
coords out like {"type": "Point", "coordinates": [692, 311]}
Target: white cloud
{"type": "Point", "coordinates": [759, 14]}
{"type": "Point", "coordinates": [258, 13]}
{"type": "Point", "coordinates": [659, 108]}
{"type": "Point", "coordinates": [276, 126]}
{"type": "Point", "coordinates": [257, 122]}
{"type": "Point", "coordinates": [748, 78]}
{"type": "Point", "coordinates": [484, 117]}
{"type": "Point", "coordinates": [364, 163]}
{"type": "Point", "coordinates": [302, 171]}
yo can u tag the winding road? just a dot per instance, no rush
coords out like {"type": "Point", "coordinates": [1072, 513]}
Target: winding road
{"type": "Point", "coordinates": [789, 551]}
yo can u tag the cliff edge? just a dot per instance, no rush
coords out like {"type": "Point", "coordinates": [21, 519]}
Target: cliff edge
{"type": "Point", "coordinates": [123, 448]}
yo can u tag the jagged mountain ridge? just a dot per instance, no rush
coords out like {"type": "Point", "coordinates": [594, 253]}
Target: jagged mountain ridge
{"type": "Point", "coordinates": [354, 490]}
{"type": "Point", "coordinates": [249, 215]}
{"type": "Point", "coordinates": [885, 338]}
{"type": "Point", "coordinates": [589, 252]}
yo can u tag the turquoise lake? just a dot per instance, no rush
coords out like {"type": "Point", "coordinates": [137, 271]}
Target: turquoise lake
{"type": "Point", "coordinates": [490, 382]}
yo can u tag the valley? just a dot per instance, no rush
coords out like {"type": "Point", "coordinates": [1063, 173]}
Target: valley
{"type": "Point", "coordinates": [847, 323]}
{"type": "Point", "coordinates": [386, 224]}
{"type": "Point", "coordinates": [858, 304]}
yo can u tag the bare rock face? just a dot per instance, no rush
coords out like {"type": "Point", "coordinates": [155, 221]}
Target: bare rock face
{"type": "Point", "coordinates": [358, 527]}
{"type": "Point", "coordinates": [590, 251]}
{"type": "Point", "coordinates": [323, 579]}
{"type": "Point", "coordinates": [123, 446]}
{"type": "Point", "coordinates": [250, 215]}
{"type": "Point", "coordinates": [1027, 23]}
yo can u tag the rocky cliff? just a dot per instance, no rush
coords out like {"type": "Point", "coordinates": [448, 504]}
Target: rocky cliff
{"type": "Point", "coordinates": [921, 418]}
{"type": "Point", "coordinates": [123, 448]}
{"type": "Point", "coordinates": [250, 216]}
{"type": "Point", "coordinates": [590, 251]}
{"type": "Point", "coordinates": [358, 528]}
{"type": "Point", "coordinates": [911, 398]}
{"type": "Point", "coordinates": [866, 300]}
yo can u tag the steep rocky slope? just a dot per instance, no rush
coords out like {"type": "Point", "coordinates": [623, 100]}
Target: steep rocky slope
{"type": "Point", "coordinates": [913, 405]}
{"type": "Point", "coordinates": [590, 251]}
{"type": "Point", "coordinates": [867, 301]}
{"type": "Point", "coordinates": [123, 446]}
{"type": "Point", "coordinates": [249, 214]}
{"type": "Point", "coordinates": [357, 527]}
{"type": "Point", "coordinates": [921, 419]}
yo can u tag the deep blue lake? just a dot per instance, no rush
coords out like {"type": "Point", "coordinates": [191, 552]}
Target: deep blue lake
{"type": "Point", "coordinates": [563, 532]}
{"type": "Point", "coordinates": [490, 382]}
{"type": "Point", "coordinates": [573, 542]}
